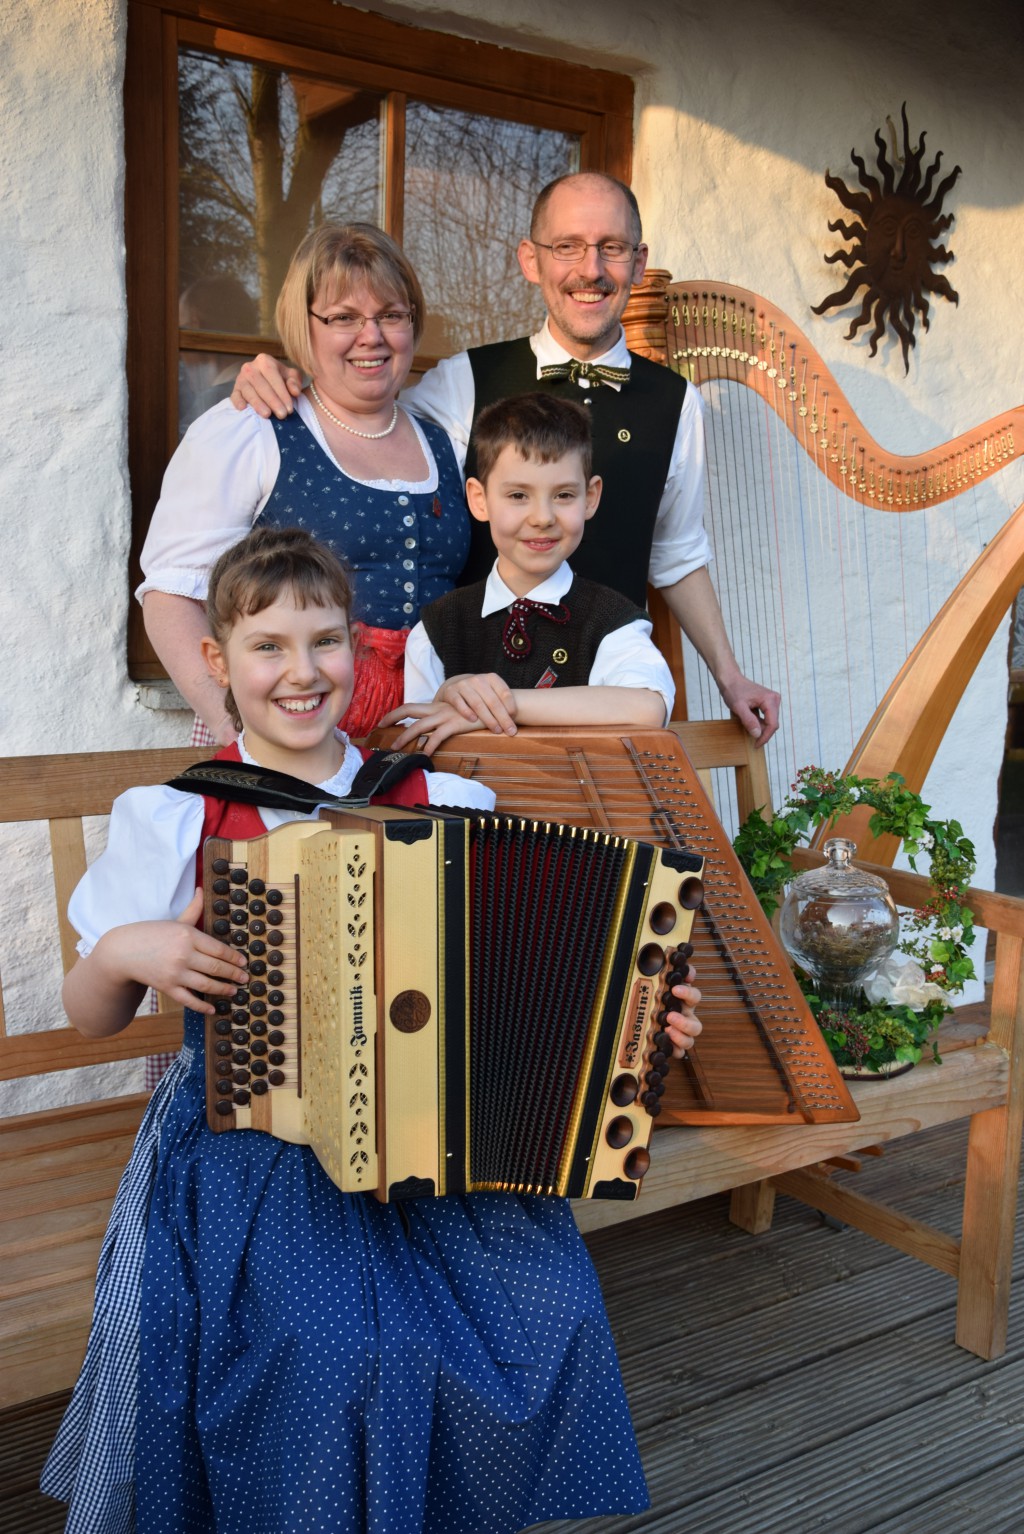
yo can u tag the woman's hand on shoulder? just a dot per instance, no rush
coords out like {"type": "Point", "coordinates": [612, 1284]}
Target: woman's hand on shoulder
{"type": "Point", "coordinates": [268, 386]}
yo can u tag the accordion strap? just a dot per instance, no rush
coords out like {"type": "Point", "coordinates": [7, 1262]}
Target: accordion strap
{"type": "Point", "coordinates": [245, 783]}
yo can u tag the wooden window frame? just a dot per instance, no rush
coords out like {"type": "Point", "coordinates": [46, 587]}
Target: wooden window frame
{"type": "Point", "coordinates": [331, 40]}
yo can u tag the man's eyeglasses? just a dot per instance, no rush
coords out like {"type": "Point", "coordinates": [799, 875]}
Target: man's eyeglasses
{"type": "Point", "coordinates": [575, 250]}
{"type": "Point", "coordinates": [392, 322]}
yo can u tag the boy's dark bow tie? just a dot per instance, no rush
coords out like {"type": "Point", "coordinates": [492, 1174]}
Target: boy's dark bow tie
{"type": "Point", "coordinates": [591, 372]}
{"type": "Point", "coordinates": [515, 640]}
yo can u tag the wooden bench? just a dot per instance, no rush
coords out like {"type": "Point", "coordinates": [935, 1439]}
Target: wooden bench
{"type": "Point", "coordinates": [59, 1167]}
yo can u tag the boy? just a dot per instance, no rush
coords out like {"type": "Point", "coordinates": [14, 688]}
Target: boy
{"type": "Point", "coordinates": [532, 644]}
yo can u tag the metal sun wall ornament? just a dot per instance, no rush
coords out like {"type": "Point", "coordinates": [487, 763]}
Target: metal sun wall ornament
{"type": "Point", "coordinates": [895, 240]}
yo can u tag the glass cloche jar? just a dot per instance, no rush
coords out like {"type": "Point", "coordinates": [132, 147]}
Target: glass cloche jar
{"type": "Point", "coordinates": [839, 923]}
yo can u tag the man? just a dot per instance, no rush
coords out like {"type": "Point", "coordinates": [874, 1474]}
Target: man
{"type": "Point", "coordinates": [585, 252]}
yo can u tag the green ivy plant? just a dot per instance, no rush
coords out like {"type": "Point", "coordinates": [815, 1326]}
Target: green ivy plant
{"type": "Point", "coordinates": [937, 934]}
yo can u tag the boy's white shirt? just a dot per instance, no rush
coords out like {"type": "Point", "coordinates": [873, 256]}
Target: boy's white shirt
{"type": "Point", "coordinates": [627, 657]}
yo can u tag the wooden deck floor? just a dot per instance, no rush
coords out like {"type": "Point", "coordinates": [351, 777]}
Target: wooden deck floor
{"type": "Point", "coordinates": [800, 1381]}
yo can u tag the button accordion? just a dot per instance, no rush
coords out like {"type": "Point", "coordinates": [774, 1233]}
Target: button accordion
{"type": "Point", "coordinates": [443, 1002]}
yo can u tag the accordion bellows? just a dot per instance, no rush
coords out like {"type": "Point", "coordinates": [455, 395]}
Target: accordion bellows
{"type": "Point", "coordinates": [445, 1003]}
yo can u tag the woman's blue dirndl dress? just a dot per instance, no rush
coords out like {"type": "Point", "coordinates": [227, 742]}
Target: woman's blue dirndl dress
{"type": "Point", "coordinates": [271, 1356]}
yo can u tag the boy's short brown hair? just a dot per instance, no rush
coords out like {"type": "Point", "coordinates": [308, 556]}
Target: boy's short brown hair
{"type": "Point", "coordinates": [252, 574]}
{"type": "Point", "coordinates": [541, 427]}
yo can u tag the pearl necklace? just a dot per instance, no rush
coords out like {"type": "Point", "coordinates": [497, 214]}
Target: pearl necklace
{"type": "Point", "coordinates": [370, 436]}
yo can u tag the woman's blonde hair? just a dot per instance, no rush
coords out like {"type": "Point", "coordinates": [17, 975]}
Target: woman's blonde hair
{"type": "Point", "coordinates": [333, 259]}
{"type": "Point", "coordinates": [253, 574]}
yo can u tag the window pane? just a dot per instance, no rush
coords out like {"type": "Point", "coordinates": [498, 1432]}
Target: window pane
{"type": "Point", "coordinates": [265, 155]}
{"type": "Point", "coordinates": [470, 184]}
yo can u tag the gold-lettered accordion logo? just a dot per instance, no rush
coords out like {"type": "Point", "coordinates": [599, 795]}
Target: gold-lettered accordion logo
{"type": "Point", "coordinates": [640, 1000]}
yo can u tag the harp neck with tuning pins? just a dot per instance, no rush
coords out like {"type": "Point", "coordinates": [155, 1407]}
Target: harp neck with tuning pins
{"type": "Point", "coordinates": [812, 521]}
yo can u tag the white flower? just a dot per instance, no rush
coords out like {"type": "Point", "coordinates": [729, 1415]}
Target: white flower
{"type": "Point", "coordinates": [901, 981]}
{"type": "Point", "coordinates": [957, 932]}
{"type": "Point", "coordinates": [946, 934]}
{"type": "Point", "coordinates": [926, 841]}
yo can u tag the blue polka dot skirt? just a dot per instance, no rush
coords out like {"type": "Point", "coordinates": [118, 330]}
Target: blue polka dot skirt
{"type": "Point", "coordinates": [271, 1356]}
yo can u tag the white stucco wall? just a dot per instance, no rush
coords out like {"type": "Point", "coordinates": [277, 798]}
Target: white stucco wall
{"type": "Point", "coordinates": [738, 110]}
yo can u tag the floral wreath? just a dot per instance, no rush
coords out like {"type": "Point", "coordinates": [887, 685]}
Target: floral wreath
{"type": "Point", "coordinates": [882, 1035]}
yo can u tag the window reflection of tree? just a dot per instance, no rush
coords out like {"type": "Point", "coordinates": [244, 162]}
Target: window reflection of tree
{"type": "Point", "coordinates": [470, 183]}
{"type": "Point", "coordinates": [264, 156]}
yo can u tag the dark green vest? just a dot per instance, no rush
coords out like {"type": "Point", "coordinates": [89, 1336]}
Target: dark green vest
{"type": "Point", "coordinates": [634, 431]}
{"type": "Point", "coordinates": [561, 653]}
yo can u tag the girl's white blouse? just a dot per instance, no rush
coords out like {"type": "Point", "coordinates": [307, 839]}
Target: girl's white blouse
{"type": "Point", "coordinates": [148, 870]}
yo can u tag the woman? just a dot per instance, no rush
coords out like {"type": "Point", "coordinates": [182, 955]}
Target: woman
{"type": "Point", "coordinates": [351, 466]}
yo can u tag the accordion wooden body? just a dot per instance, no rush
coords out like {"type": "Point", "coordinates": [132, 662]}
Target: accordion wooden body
{"type": "Point", "coordinates": [444, 1003]}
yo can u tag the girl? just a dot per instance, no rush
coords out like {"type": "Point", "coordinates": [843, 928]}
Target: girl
{"type": "Point", "coordinates": [270, 1355]}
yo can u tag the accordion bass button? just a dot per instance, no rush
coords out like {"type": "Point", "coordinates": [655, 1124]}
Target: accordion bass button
{"type": "Point", "coordinates": [623, 1091]}
{"type": "Point", "coordinates": [256, 886]}
{"type": "Point", "coordinates": [637, 1163]}
{"type": "Point", "coordinates": [619, 1132]}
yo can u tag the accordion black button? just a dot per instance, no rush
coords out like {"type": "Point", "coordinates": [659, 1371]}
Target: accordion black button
{"type": "Point", "coordinates": [257, 907]}
{"type": "Point", "coordinates": [257, 1026]}
{"type": "Point", "coordinates": [257, 947]}
{"type": "Point", "coordinates": [256, 887]}
{"type": "Point", "coordinates": [224, 1109]}
{"type": "Point", "coordinates": [222, 1047]}
{"type": "Point", "coordinates": [257, 928]}
{"type": "Point", "coordinates": [222, 926]}
{"type": "Point", "coordinates": [258, 1047]}
{"type": "Point", "coordinates": [658, 1059]}
{"type": "Point", "coordinates": [258, 1008]}
{"type": "Point", "coordinates": [276, 1057]}
{"type": "Point", "coordinates": [221, 1006]}
{"type": "Point", "coordinates": [619, 1132]}
{"type": "Point", "coordinates": [239, 897]}
{"type": "Point", "coordinates": [240, 1036]}
{"type": "Point", "coordinates": [222, 1068]}
{"type": "Point", "coordinates": [239, 918]}
{"type": "Point", "coordinates": [239, 938]}
{"type": "Point", "coordinates": [257, 967]}
{"type": "Point", "coordinates": [276, 1019]}
{"type": "Point", "coordinates": [663, 1041]}
{"type": "Point", "coordinates": [675, 977]}
{"type": "Point", "coordinates": [238, 876]}
{"type": "Point", "coordinates": [258, 1088]}
{"type": "Point", "coordinates": [222, 1025]}
{"type": "Point", "coordinates": [276, 998]}
{"type": "Point", "coordinates": [240, 1018]}
{"type": "Point", "coordinates": [240, 1078]}
{"type": "Point", "coordinates": [276, 1078]}
{"type": "Point", "coordinates": [274, 897]}
{"type": "Point", "coordinates": [655, 1085]}
{"type": "Point", "coordinates": [275, 956]}
{"type": "Point", "coordinates": [637, 1163]}
{"type": "Point", "coordinates": [259, 1067]}
{"type": "Point", "coordinates": [652, 1103]}
{"type": "Point", "coordinates": [224, 1088]}
{"type": "Point", "coordinates": [257, 988]}
{"type": "Point", "coordinates": [275, 977]}
{"type": "Point", "coordinates": [275, 918]}
{"type": "Point", "coordinates": [221, 907]}
{"type": "Point", "coordinates": [623, 1091]}
{"type": "Point", "coordinates": [241, 1057]}
{"type": "Point", "coordinates": [220, 866]}
{"type": "Point", "coordinates": [275, 1038]}
{"type": "Point", "coordinates": [241, 1097]}
{"type": "Point", "coordinates": [220, 886]}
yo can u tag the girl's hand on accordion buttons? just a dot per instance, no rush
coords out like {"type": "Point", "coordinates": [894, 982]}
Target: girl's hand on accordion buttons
{"type": "Point", "coordinates": [176, 958]}
{"type": "Point", "coordinates": [683, 1026]}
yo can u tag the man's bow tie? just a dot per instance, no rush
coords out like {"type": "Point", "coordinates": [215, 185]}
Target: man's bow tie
{"type": "Point", "coordinates": [591, 372]}
{"type": "Point", "coordinates": [515, 640]}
